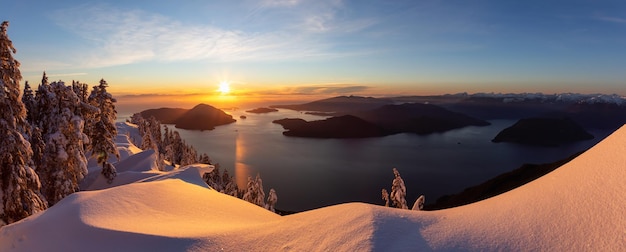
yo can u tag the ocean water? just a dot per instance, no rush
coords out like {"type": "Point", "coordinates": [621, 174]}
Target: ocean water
{"type": "Point", "coordinates": [312, 173]}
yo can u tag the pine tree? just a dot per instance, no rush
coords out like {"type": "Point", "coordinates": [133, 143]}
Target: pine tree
{"type": "Point", "coordinates": [45, 106]}
{"type": "Point", "coordinates": [272, 198]}
{"type": "Point", "coordinates": [398, 191]}
{"type": "Point", "coordinates": [104, 131]}
{"type": "Point", "coordinates": [385, 196]}
{"type": "Point", "coordinates": [64, 163]}
{"type": "Point", "coordinates": [28, 98]}
{"type": "Point", "coordinates": [19, 184]}
{"type": "Point", "coordinates": [38, 146]}
{"type": "Point", "coordinates": [419, 203]}
{"type": "Point", "coordinates": [254, 191]}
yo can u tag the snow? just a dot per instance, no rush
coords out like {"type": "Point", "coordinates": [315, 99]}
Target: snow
{"type": "Point", "coordinates": [563, 97]}
{"type": "Point", "coordinates": [578, 207]}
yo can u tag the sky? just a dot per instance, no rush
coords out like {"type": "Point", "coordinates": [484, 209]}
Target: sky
{"type": "Point", "coordinates": [284, 49]}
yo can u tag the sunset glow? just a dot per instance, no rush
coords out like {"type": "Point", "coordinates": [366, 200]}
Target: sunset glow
{"type": "Point", "coordinates": [326, 48]}
{"type": "Point", "coordinates": [224, 88]}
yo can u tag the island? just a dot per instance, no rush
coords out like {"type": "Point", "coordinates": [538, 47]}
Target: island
{"type": "Point", "coordinates": [538, 131]}
{"type": "Point", "coordinates": [262, 110]}
{"type": "Point", "coordinates": [200, 117]}
{"type": "Point", "coordinates": [418, 118]}
{"type": "Point", "coordinates": [383, 121]}
{"type": "Point", "coordinates": [346, 126]}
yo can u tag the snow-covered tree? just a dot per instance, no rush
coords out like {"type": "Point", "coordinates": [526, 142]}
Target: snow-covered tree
{"type": "Point", "coordinates": [254, 191]}
{"type": "Point", "coordinates": [398, 191]}
{"type": "Point", "coordinates": [230, 185]}
{"type": "Point", "coordinates": [385, 196]}
{"type": "Point", "coordinates": [272, 198]}
{"type": "Point", "coordinates": [104, 131]}
{"type": "Point", "coordinates": [45, 104]}
{"type": "Point", "coordinates": [419, 203]}
{"type": "Point", "coordinates": [204, 159]}
{"type": "Point", "coordinates": [19, 184]}
{"type": "Point", "coordinates": [81, 90]}
{"type": "Point", "coordinates": [64, 163]}
{"type": "Point", "coordinates": [148, 144]}
{"type": "Point", "coordinates": [190, 155]}
{"type": "Point", "coordinates": [28, 98]}
{"type": "Point", "coordinates": [37, 145]}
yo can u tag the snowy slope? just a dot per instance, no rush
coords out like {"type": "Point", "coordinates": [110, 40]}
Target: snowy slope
{"type": "Point", "coordinates": [578, 207]}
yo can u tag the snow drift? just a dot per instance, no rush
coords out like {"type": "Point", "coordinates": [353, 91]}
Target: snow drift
{"type": "Point", "coordinates": [578, 207]}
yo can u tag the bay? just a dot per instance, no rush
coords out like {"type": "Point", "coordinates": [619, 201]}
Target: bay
{"type": "Point", "coordinates": [312, 173]}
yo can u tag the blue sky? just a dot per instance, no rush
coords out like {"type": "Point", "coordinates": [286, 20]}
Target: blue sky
{"type": "Point", "coordinates": [325, 47]}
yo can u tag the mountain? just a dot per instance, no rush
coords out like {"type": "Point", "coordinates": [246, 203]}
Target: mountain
{"type": "Point", "coordinates": [592, 111]}
{"type": "Point", "coordinates": [346, 126]}
{"type": "Point", "coordinates": [200, 117]}
{"type": "Point", "coordinates": [340, 104]}
{"type": "Point", "coordinates": [578, 207]}
{"type": "Point", "coordinates": [418, 118]}
{"type": "Point", "coordinates": [543, 132]}
{"type": "Point", "coordinates": [203, 117]}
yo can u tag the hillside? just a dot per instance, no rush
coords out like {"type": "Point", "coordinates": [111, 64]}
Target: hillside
{"type": "Point", "coordinates": [578, 207]}
{"type": "Point", "coordinates": [418, 118]}
{"type": "Point", "coordinates": [382, 121]}
{"type": "Point", "coordinates": [340, 104]}
{"type": "Point", "coordinates": [346, 126]}
{"type": "Point", "coordinates": [203, 117]}
{"type": "Point", "coordinates": [543, 132]}
{"type": "Point", "coordinates": [164, 115]}
{"type": "Point", "coordinates": [200, 117]}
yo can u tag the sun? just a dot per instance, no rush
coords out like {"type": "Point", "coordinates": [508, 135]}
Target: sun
{"type": "Point", "coordinates": [224, 88]}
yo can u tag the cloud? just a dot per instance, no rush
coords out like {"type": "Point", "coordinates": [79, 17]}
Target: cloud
{"type": "Point", "coordinates": [120, 36]}
{"type": "Point", "coordinates": [617, 20]}
{"type": "Point", "coordinates": [330, 89]}
{"type": "Point", "coordinates": [65, 74]}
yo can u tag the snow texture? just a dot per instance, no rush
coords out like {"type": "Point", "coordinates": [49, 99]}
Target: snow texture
{"type": "Point", "coordinates": [578, 207]}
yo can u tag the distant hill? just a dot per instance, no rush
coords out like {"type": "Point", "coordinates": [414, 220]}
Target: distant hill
{"type": "Point", "coordinates": [382, 121]}
{"type": "Point", "coordinates": [200, 117]}
{"type": "Point", "coordinates": [418, 118]}
{"type": "Point", "coordinates": [346, 126]}
{"type": "Point", "coordinates": [543, 132]}
{"type": "Point", "coordinates": [164, 115]}
{"type": "Point", "coordinates": [339, 104]}
{"type": "Point", "coordinates": [592, 111]}
{"type": "Point", "coordinates": [262, 110]}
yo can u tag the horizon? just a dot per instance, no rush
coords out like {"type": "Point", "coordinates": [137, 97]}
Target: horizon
{"type": "Point", "coordinates": [277, 51]}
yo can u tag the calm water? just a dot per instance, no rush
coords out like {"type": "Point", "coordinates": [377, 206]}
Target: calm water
{"type": "Point", "coordinates": [312, 173]}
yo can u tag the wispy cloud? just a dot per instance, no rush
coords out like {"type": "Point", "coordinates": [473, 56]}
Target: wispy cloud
{"type": "Point", "coordinates": [611, 19]}
{"type": "Point", "coordinates": [65, 74]}
{"type": "Point", "coordinates": [120, 36]}
{"type": "Point", "coordinates": [329, 89]}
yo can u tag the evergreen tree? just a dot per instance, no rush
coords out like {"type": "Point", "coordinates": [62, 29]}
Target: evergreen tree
{"type": "Point", "coordinates": [272, 198]}
{"type": "Point", "coordinates": [254, 191]}
{"type": "Point", "coordinates": [45, 106]}
{"type": "Point", "coordinates": [38, 146]}
{"type": "Point", "coordinates": [64, 163]}
{"type": "Point", "coordinates": [398, 191]}
{"type": "Point", "coordinates": [28, 98]}
{"type": "Point", "coordinates": [104, 131]}
{"type": "Point", "coordinates": [19, 184]}
{"type": "Point", "coordinates": [419, 203]}
{"type": "Point", "coordinates": [385, 196]}
{"type": "Point", "coordinates": [230, 185]}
